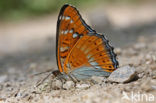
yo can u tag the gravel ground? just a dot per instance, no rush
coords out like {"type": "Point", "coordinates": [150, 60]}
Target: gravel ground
{"type": "Point", "coordinates": [18, 84]}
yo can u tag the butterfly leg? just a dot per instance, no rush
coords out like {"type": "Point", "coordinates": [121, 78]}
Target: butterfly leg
{"type": "Point", "coordinates": [73, 78]}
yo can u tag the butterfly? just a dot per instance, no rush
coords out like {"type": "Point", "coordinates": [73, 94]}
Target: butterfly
{"type": "Point", "coordinates": [81, 52]}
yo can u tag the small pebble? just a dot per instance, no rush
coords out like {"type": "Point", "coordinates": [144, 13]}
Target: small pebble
{"type": "Point", "coordinates": [146, 85]}
{"type": "Point", "coordinates": [140, 75]}
{"type": "Point", "coordinates": [118, 51]}
{"type": "Point", "coordinates": [153, 74]}
{"type": "Point", "coordinates": [68, 85]}
{"type": "Point", "coordinates": [123, 75]}
{"type": "Point", "coordinates": [10, 89]}
{"type": "Point", "coordinates": [57, 84]}
{"type": "Point", "coordinates": [153, 67]}
{"type": "Point", "coordinates": [19, 94]}
{"type": "Point", "coordinates": [82, 86]}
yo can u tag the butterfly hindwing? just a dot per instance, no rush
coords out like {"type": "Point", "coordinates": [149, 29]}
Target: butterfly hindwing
{"type": "Point", "coordinates": [91, 50]}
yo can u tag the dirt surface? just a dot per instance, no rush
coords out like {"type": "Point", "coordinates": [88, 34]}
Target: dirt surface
{"type": "Point", "coordinates": [17, 85]}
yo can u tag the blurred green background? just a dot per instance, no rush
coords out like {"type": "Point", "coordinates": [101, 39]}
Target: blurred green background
{"type": "Point", "coordinates": [19, 9]}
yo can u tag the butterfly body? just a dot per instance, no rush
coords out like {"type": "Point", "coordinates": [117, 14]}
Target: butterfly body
{"type": "Point", "coordinates": [80, 51]}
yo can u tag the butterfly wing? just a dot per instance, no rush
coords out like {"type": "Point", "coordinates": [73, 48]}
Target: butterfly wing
{"type": "Point", "coordinates": [70, 27]}
{"type": "Point", "coordinates": [91, 56]}
{"type": "Point", "coordinates": [80, 50]}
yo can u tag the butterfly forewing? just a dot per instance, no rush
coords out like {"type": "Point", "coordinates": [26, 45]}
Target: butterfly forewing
{"type": "Point", "coordinates": [69, 30]}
